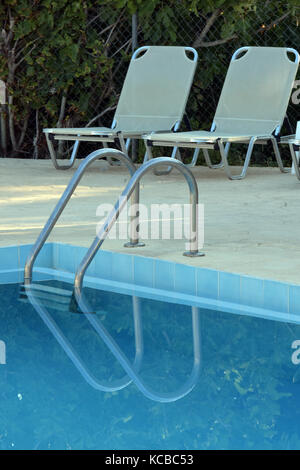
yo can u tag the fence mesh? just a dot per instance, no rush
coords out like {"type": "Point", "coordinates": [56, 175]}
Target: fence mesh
{"type": "Point", "coordinates": [80, 87]}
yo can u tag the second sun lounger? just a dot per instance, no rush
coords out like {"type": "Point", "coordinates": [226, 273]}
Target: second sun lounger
{"type": "Point", "coordinates": [251, 108]}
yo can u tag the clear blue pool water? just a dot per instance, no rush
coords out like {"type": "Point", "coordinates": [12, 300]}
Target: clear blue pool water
{"type": "Point", "coordinates": [247, 395]}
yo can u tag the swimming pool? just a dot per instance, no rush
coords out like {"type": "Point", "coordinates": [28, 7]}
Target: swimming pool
{"type": "Point", "coordinates": [246, 396]}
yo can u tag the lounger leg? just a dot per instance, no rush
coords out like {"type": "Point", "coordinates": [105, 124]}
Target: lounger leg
{"type": "Point", "coordinates": [208, 160]}
{"type": "Point", "coordinates": [148, 154]}
{"type": "Point", "coordinates": [224, 155]}
{"type": "Point", "coordinates": [295, 161]}
{"type": "Point", "coordinates": [109, 160]}
{"type": "Point", "coordinates": [145, 159]}
{"type": "Point", "coordinates": [127, 145]}
{"type": "Point", "coordinates": [53, 154]}
{"type": "Point", "coordinates": [123, 144]}
{"type": "Point", "coordinates": [195, 157]}
{"type": "Point", "coordinates": [278, 156]}
{"type": "Point", "coordinates": [178, 155]}
{"type": "Point", "coordinates": [175, 154]}
{"type": "Point", "coordinates": [124, 148]}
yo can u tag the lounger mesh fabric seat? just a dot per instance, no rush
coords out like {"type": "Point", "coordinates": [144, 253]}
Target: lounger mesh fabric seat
{"type": "Point", "coordinates": [251, 108]}
{"type": "Point", "coordinates": [153, 98]}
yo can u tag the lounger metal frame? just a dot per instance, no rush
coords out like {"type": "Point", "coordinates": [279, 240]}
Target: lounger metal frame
{"type": "Point", "coordinates": [294, 146]}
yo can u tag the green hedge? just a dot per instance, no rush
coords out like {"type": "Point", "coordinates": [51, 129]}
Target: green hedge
{"type": "Point", "coordinates": [64, 61]}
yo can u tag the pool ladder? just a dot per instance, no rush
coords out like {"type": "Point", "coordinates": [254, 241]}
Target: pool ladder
{"type": "Point", "coordinates": [35, 294]}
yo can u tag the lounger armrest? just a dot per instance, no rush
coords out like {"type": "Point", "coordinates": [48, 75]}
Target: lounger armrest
{"type": "Point", "coordinates": [84, 131]}
{"type": "Point", "coordinates": [287, 139]}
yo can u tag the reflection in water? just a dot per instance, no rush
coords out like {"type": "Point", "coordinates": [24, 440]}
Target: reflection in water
{"type": "Point", "coordinates": [32, 294]}
{"type": "Point", "coordinates": [245, 397]}
{"type": "Point", "coordinates": [162, 397]}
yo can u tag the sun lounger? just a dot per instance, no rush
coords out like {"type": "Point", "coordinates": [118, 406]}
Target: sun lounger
{"type": "Point", "coordinates": [251, 107]}
{"type": "Point", "coordinates": [153, 98]}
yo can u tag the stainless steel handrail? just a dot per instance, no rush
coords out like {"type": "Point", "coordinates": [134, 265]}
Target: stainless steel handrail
{"type": "Point", "coordinates": [97, 155]}
{"type": "Point", "coordinates": [132, 188]}
{"type": "Point", "coordinates": [122, 201]}
{"type": "Point", "coordinates": [98, 241]}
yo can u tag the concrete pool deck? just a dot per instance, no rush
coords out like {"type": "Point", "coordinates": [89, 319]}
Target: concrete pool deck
{"type": "Point", "coordinates": [252, 226]}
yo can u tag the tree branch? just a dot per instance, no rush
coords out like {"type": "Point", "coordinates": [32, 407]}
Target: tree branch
{"type": "Point", "coordinates": [114, 27]}
{"type": "Point", "coordinates": [60, 120]}
{"type": "Point", "coordinates": [121, 62]}
{"type": "Point", "coordinates": [274, 23]}
{"type": "Point", "coordinates": [110, 108]}
{"type": "Point", "coordinates": [36, 137]}
{"type": "Point", "coordinates": [209, 22]}
{"type": "Point", "coordinates": [26, 45]}
{"type": "Point", "coordinates": [62, 110]}
{"type": "Point", "coordinates": [217, 42]}
{"type": "Point", "coordinates": [24, 57]}
{"type": "Point", "coordinates": [11, 123]}
{"type": "Point", "coordinates": [23, 132]}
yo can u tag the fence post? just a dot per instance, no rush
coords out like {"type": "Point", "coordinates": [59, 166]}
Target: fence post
{"type": "Point", "coordinates": [134, 28]}
{"type": "Point", "coordinates": [2, 117]}
{"type": "Point", "coordinates": [134, 45]}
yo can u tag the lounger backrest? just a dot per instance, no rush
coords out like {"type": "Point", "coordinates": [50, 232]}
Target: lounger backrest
{"type": "Point", "coordinates": [256, 90]}
{"type": "Point", "coordinates": [156, 88]}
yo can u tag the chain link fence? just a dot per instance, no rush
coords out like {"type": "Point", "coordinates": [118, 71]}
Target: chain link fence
{"type": "Point", "coordinates": [93, 76]}
{"type": "Point", "coordinates": [216, 37]}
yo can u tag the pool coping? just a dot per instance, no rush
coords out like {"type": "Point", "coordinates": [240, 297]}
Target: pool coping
{"type": "Point", "coordinates": [160, 279]}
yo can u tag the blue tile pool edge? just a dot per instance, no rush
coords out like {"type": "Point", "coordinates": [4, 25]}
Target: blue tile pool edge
{"type": "Point", "coordinates": [159, 279]}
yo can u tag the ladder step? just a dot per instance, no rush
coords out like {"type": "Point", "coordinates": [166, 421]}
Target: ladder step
{"type": "Point", "coordinates": [47, 296]}
{"type": "Point", "coordinates": [40, 288]}
{"type": "Point", "coordinates": [53, 297]}
{"type": "Point", "coordinates": [62, 307]}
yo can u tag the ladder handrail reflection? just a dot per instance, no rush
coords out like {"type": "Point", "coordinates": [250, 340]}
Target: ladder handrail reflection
{"type": "Point", "coordinates": [75, 358]}
{"type": "Point", "coordinates": [163, 397]}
